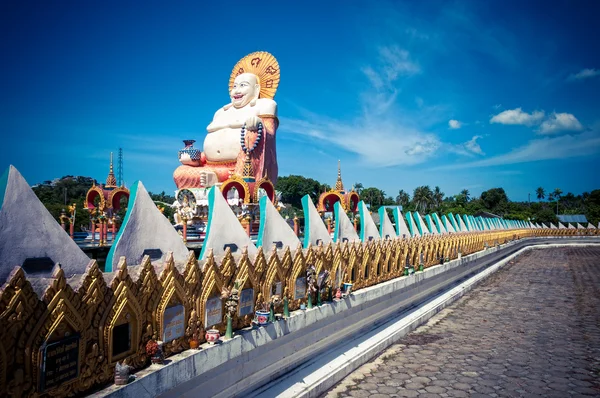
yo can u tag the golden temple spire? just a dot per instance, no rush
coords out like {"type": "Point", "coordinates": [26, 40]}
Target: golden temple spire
{"type": "Point", "coordinates": [339, 186]}
{"type": "Point", "coordinates": [111, 181]}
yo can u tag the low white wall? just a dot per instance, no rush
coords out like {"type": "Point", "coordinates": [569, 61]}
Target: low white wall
{"type": "Point", "coordinates": [254, 357]}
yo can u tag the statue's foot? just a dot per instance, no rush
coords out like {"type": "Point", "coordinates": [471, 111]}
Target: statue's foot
{"type": "Point", "coordinates": [194, 177]}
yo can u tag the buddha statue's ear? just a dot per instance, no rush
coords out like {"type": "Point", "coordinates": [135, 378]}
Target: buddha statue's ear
{"type": "Point", "coordinates": [253, 102]}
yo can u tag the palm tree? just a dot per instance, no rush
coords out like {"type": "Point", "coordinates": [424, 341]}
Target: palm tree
{"type": "Point", "coordinates": [358, 187]}
{"type": "Point", "coordinates": [438, 197]}
{"type": "Point", "coordinates": [403, 198]}
{"type": "Point", "coordinates": [541, 193]}
{"type": "Point", "coordinates": [557, 192]}
{"type": "Point", "coordinates": [465, 192]}
{"type": "Point", "coordinates": [422, 197]}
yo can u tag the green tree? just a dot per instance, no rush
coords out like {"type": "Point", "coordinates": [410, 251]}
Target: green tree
{"type": "Point", "coordinates": [403, 198]}
{"type": "Point", "coordinates": [465, 193]}
{"type": "Point", "coordinates": [358, 187]}
{"type": "Point", "coordinates": [438, 197]}
{"type": "Point", "coordinates": [495, 200]}
{"type": "Point", "coordinates": [540, 193]}
{"type": "Point", "coordinates": [375, 197]}
{"type": "Point", "coordinates": [422, 198]}
{"type": "Point", "coordinates": [294, 187]}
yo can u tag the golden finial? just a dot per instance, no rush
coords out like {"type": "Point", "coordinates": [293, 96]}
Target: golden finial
{"type": "Point", "coordinates": [339, 186]}
{"type": "Point", "coordinates": [111, 181]}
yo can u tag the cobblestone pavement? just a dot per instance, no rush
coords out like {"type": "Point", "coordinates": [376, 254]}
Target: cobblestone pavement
{"type": "Point", "coordinates": [531, 329]}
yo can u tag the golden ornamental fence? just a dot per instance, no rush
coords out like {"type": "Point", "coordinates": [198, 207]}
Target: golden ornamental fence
{"type": "Point", "coordinates": [61, 337]}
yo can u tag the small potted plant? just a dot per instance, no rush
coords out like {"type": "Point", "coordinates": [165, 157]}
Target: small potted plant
{"type": "Point", "coordinates": [262, 311]}
{"type": "Point", "coordinates": [212, 335]}
{"type": "Point", "coordinates": [154, 351]}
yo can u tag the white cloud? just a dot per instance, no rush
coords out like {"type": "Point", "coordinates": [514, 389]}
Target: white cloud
{"type": "Point", "coordinates": [584, 74]}
{"type": "Point", "coordinates": [558, 122]}
{"type": "Point", "coordinates": [517, 116]}
{"type": "Point", "coordinates": [473, 146]}
{"type": "Point", "coordinates": [469, 148]}
{"type": "Point", "coordinates": [393, 62]}
{"type": "Point", "coordinates": [454, 124]}
{"type": "Point", "coordinates": [546, 148]}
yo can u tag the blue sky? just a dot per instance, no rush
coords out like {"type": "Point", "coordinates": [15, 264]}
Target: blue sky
{"type": "Point", "coordinates": [473, 94]}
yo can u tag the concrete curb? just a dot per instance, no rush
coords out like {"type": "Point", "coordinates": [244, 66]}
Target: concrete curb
{"type": "Point", "coordinates": [318, 376]}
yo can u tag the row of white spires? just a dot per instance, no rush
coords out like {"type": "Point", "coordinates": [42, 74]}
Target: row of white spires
{"type": "Point", "coordinates": [28, 230]}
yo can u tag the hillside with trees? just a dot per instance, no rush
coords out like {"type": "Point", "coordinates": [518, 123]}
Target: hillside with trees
{"type": "Point", "coordinates": [60, 193]}
{"type": "Point", "coordinates": [425, 200]}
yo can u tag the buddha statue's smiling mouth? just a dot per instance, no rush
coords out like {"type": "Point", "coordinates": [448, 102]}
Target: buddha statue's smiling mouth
{"type": "Point", "coordinates": [238, 96]}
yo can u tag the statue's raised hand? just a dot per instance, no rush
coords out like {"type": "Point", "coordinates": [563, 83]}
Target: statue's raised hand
{"type": "Point", "coordinates": [252, 123]}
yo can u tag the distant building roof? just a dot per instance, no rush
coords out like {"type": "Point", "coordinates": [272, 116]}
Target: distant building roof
{"type": "Point", "coordinates": [572, 218]}
{"type": "Point", "coordinates": [485, 214]}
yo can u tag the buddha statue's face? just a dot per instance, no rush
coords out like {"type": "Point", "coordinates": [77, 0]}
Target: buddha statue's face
{"type": "Point", "coordinates": [245, 89]}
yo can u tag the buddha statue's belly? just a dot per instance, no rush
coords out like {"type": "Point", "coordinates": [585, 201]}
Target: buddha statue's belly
{"type": "Point", "coordinates": [222, 145]}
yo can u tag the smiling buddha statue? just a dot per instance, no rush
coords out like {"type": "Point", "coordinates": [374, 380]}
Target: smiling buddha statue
{"type": "Point", "coordinates": [242, 131]}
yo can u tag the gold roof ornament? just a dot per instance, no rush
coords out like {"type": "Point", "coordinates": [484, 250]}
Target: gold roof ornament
{"type": "Point", "coordinates": [339, 185]}
{"type": "Point", "coordinates": [264, 66]}
{"type": "Point", "coordinates": [111, 181]}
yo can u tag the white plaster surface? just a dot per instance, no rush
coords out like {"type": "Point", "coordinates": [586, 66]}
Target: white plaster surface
{"type": "Point", "coordinates": [316, 231]}
{"type": "Point", "coordinates": [421, 223]}
{"type": "Point", "coordinates": [274, 228]}
{"type": "Point", "coordinates": [368, 229]}
{"type": "Point", "coordinates": [411, 224]}
{"type": "Point", "coordinates": [448, 224]}
{"type": "Point", "coordinates": [224, 228]}
{"type": "Point", "coordinates": [438, 221]}
{"type": "Point", "coordinates": [386, 228]}
{"type": "Point", "coordinates": [461, 223]}
{"type": "Point", "coordinates": [145, 227]}
{"type": "Point", "coordinates": [345, 227]}
{"type": "Point", "coordinates": [401, 227]}
{"type": "Point", "coordinates": [430, 222]}
{"type": "Point", "coordinates": [28, 230]}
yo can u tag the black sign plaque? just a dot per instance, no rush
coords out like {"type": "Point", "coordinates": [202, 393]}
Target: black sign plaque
{"type": "Point", "coordinates": [155, 254]}
{"type": "Point", "coordinates": [60, 362]}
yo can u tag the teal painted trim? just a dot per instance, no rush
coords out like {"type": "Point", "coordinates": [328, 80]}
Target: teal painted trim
{"type": "Point", "coordinates": [457, 221]}
{"type": "Point", "coordinates": [409, 224]}
{"type": "Point", "coordinates": [466, 221]}
{"type": "Point", "coordinates": [453, 222]}
{"type": "Point", "coordinates": [336, 214]}
{"type": "Point", "coordinates": [438, 222]}
{"type": "Point", "coordinates": [397, 215]}
{"type": "Point", "coordinates": [307, 223]}
{"type": "Point", "coordinates": [3, 185]}
{"type": "Point", "coordinates": [211, 212]}
{"type": "Point", "coordinates": [416, 217]}
{"type": "Point", "coordinates": [108, 266]}
{"type": "Point", "coordinates": [361, 213]}
{"type": "Point", "coordinates": [262, 204]}
{"type": "Point", "coordinates": [381, 221]}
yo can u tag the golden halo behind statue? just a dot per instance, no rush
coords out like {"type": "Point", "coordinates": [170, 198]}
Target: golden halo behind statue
{"type": "Point", "coordinates": [265, 66]}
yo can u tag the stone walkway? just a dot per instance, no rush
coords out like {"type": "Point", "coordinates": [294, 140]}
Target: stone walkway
{"type": "Point", "coordinates": [532, 329]}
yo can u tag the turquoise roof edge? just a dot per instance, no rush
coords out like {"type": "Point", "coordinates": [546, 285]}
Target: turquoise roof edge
{"type": "Point", "coordinates": [211, 206]}
{"type": "Point", "coordinates": [305, 200]}
{"type": "Point", "coordinates": [262, 205]}
{"type": "Point", "coordinates": [109, 258]}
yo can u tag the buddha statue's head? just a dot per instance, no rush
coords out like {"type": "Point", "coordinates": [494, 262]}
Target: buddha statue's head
{"type": "Point", "coordinates": [246, 88]}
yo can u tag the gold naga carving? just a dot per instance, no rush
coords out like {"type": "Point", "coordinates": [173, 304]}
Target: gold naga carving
{"type": "Point", "coordinates": [91, 307]}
